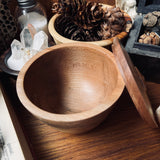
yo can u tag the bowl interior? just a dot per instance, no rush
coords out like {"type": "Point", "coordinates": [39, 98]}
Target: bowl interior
{"type": "Point", "coordinates": [71, 79]}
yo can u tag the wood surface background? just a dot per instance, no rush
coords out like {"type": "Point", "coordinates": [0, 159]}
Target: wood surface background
{"type": "Point", "coordinates": [122, 136]}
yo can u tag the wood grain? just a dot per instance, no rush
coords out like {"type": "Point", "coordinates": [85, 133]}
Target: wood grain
{"type": "Point", "coordinates": [123, 135]}
{"type": "Point", "coordinates": [75, 89]}
{"type": "Point", "coordinates": [134, 83]}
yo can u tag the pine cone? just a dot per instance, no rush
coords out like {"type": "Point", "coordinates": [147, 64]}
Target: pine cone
{"type": "Point", "coordinates": [69, 29]}
{"type": "Point", "coordinates": [90, 19]}
{"type": "Point", "coordinates": [89, 16]}
{"type": "Point", "coordinates": [85, 14]}
{"type": "Point", "coordinates": [72, 31]}
{"type": "Point", "coordinates": [113, 24]}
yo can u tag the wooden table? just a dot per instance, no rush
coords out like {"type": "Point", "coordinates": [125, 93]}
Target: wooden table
{"type": "Point", "coordinates": [123, 135]}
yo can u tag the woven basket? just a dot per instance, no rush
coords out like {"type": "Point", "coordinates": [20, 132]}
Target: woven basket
{"type": "Point", "coordinates": [8, 26]}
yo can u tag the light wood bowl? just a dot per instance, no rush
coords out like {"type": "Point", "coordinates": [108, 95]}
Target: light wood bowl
{"type": "Point", "coordinates": [104, 43]}
{"type": "Point", "coordinates": [70, 86]}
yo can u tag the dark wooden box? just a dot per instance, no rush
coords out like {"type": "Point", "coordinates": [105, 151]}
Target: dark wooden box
{"type": "Point", "coordinates": [145, 56]}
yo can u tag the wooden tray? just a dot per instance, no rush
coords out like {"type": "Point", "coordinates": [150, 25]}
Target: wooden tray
{"type": "Point", "coordinates": [123, 135]}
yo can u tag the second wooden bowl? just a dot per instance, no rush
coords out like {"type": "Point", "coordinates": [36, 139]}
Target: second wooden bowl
{"type": "Point", "coordinates": [58, 38]}
{"type": "Point", "coordinates": [70, 86]}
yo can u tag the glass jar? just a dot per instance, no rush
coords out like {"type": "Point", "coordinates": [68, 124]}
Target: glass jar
{"type": "Point", "coordinates": [31, 12]}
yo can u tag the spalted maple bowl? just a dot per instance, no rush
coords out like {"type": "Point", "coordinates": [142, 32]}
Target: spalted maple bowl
{"type": "Point", "coordinates": [70, 86]}
{"type": "Point", "coordinates": [58, 38]}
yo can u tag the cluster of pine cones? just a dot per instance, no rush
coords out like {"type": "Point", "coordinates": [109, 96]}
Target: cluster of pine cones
{"type": "Point", "coordinates": [87, 21]}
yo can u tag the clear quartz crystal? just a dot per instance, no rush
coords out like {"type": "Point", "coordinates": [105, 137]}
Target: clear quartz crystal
{"type": "Point", "coordinates": [17, 49]}
{"type": "Point", "coordinates": [26, 38]}
{"type": "Point", "coordinates": [29, 54]}
{"type": "Point", "coordinates": [40, 41]}
{"type": "Point", "coordinates": [15, 61]}
{"type": "Point", "coordinates": [26, 49]}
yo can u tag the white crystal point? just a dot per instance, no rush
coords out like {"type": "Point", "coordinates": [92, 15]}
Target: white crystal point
{"type": "Point", "coordinates": [15, 64]}
{"type": "Point", "coordinates": [17, 49]}
{"type": "Point", "coordinates": [40, 41]}
{"type": "Point", "coordinates": [15, 61]}
{"type": "Point", "coordinates": [26, 38]}
{"type": "Point", "coordinates": [24, 50]}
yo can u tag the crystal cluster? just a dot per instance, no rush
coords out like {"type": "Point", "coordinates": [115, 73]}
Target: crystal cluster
{"type": "Point", "coordinates": [26, 48]}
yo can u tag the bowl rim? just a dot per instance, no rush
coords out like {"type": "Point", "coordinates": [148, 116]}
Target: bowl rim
{"type": "Point", "coordinates": [73, 117]}
{"type": "Point", "coordinates": [106, 42]}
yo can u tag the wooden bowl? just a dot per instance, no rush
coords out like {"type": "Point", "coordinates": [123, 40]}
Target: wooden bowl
{"type": "Point", "coordinates": [61, 39]}
{"type": "Point", "coordinates": [70, 86]}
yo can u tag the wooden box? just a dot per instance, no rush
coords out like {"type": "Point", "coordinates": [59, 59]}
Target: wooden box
{"type": "Point", "coordinates": [145, 56]}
